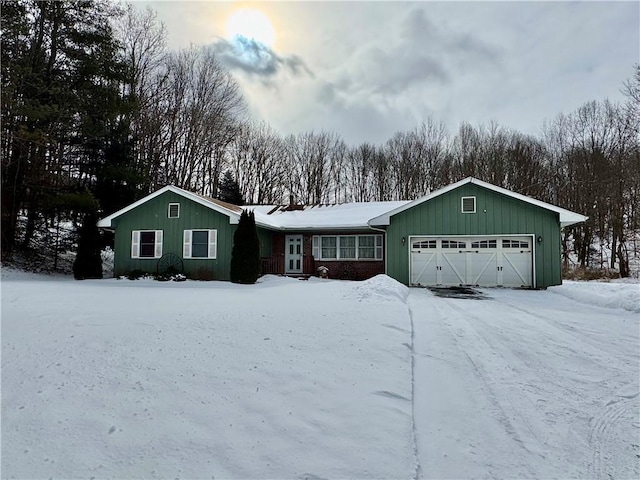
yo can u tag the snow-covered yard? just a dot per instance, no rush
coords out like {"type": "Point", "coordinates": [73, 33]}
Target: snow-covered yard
{"type": "Point", "coordinates": [317, 379]}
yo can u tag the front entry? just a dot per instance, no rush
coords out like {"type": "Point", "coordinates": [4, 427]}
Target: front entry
{"type": "Point", "coordinates": [293, 254]}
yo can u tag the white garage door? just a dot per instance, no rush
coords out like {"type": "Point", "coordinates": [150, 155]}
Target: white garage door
{"type": "Point", "coordinates": [484, 261]}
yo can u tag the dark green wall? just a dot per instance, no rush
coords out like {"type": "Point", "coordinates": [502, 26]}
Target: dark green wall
{"type": "Point", "coordinates": [496, 214]}
{"type": "Point", "coordinates": [152, 215]}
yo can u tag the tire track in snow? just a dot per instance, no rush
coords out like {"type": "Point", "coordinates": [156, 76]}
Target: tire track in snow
{"type": "Point", "coordinates": [510, 416]}
{"type": "Point", "coordinates": [418, 471]}
{"type": "Point", "coordinates": [601, 438]}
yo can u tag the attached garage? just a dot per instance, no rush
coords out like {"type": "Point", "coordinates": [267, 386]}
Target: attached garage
{"type": "Point", "coordinates": [488, 261]}
{"type": "Point", "coordinates": [475, 233]}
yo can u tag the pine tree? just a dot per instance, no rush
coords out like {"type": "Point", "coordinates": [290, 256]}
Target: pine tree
{"type": "Point", "coordinates": [88, 263]}
{"type": "Point", "coordinates": [229, 190]}
{"type": "Point", "coordinates": [245, 255]}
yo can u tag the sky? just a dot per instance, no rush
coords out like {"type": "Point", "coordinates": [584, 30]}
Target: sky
{"type": "Point", "coordinates": [366, 70]}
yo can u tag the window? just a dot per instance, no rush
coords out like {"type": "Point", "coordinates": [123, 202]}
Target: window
{"type": "Point", "coordinates": [200, 244]}
{"type": "Point", "coordinates": [485, 244]}
{"type": "Point", "coordinates": [423, 244]}
{"type": "Point", "coordinates": [453, 244]}
{"type": "Point", "coordinates": [347, 247]}
{"type": "Point", "coordinates": [468, 204]}
{"type": "Point", "coordinates": [146, 244]}
{"type": "Point", "coordinates": [514, 244]}
{"type": "Point", "coordinates": [174, 210]}
{"type": "Point", "coordinates": [328, 247]}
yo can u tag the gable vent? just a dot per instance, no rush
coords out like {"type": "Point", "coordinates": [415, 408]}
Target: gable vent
{"type": "Point", "coordinates": [174, 210]}
{"type": "Point", "coordinates": [468, 204]}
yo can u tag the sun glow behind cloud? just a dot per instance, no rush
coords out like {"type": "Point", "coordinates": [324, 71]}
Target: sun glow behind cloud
{"type": "Point", "coordinates": [251, 24]}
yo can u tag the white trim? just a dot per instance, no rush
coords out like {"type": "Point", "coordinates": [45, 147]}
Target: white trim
{"type": "Point", "coordinates": [567, 217]}
{"type": "Point", "coordinates": [234, 217]}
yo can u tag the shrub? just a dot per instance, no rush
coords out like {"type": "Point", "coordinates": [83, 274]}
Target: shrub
{"type": "Point", "coordinates": [245, 255]}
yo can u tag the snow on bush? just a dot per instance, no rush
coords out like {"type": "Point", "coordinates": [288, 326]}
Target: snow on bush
{"type": "Point", "coordinates": [610, 295]}
{"type": "Point", "coordinates": [381, 287]}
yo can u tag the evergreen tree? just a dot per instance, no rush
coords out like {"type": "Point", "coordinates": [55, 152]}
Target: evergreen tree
{"type": "Point", "coordinates": [229, 190]}
{"type": "Point", "coordinates": [245, 255]}
{"type": "Point", "coordinates": [88, 263]}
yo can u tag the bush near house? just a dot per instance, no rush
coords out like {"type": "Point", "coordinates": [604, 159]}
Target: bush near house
{"type": "Point", "coordinates": [245, 256]}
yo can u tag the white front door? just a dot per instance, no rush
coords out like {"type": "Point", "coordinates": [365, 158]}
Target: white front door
{"type": "Point", "coordinates": [293, 254]}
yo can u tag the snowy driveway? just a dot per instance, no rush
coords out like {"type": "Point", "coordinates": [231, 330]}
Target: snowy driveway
{"type": "Point", "coordinates": [525, 384]}
{"type": "Point", "coordinates": [315, 380]}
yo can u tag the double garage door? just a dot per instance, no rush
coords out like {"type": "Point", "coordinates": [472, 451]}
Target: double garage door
{"type": "Point", "coordinates": [484, 261]}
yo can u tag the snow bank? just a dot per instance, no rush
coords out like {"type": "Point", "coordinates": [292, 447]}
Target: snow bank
{"type": "Point", "coordinates": [381, 288]}
{"type": "Point", "coordinates": [602, 294]}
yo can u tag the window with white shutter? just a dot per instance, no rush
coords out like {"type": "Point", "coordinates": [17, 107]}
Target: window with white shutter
{"type": "Point", "coordinates": [200, 244]}
{"type": "Point", "coordinates": [146, 243]}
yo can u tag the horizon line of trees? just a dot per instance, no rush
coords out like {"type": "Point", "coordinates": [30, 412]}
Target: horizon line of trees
{"type": "Point", "coordinates": [94, 106]}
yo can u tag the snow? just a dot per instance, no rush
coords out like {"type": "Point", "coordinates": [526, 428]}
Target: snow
{"type": "Point", "coordinates": [316, 379]}
{"type": "Point", "coordinates": [612, 295]}
{"type": "Point", "coordinates": [318, 217]}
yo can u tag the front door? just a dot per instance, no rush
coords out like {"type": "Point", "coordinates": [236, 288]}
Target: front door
{"type": "Point", "coordinates": [293, 254]}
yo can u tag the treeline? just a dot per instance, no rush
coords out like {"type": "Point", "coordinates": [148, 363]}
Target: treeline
{"type": "Point", "coordinates": [95, 107]}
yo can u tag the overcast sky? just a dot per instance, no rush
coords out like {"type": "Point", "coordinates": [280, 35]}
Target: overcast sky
{"type": "Point", "coordinates": [368, 69]}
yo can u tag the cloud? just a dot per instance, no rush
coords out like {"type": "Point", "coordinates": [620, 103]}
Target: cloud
{"type": "Point", "coordinates": [256, 59]}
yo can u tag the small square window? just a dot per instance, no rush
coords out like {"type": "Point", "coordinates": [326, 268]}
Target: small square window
{"type": "Point", "coordinates": [174, 210]}
{"type": "Point", "coordinates": [468, 204]}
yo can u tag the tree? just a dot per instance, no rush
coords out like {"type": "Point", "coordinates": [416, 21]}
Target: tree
{"type": "Point", "coordinates": [88, 263]}
{"type": "Point", "coordinates": [229, 190]}
{"type": "Point", "coordinates": [245, 255]}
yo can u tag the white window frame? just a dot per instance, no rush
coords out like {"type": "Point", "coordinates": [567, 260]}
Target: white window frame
{"type": "Point", "coordinates": [169, 210]}
{"type": "Point", "coordinates": [462, 199]}
{"type": "Point", "coordinates": [212, 240]}
{"type": "Point", "coordinates": [135, 243]}
{"type": "Point", "coordinates": [316, 244]}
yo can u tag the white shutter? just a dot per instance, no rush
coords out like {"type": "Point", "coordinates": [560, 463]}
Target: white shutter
{"type": "Point", "coordinates": [186, 244]}
{"type": "Point", "coordinates": [315, 249]}
{"type": "Point", "coordinates": [135, 244]}
{"type": "Point", "coordinates": [158, 246]}
{"type": "Point", "coordinates": [213, 243]}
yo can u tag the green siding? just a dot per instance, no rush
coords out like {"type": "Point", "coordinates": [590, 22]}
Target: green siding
{"type": "Point", "coordinates": [153, 215]}
{"type": "Point", "coordinates": [496, 214]}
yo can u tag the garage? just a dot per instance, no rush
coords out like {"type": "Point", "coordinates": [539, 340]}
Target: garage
{"type": "Point", "coordinates": [488, 260]}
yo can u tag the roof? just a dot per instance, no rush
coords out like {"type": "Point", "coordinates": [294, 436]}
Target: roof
{"type": "Point", "coordinates": [343, 216]}
{"type": "Point", "coordinates": [346, 216]}
{"type": "Point", "coordinates": [232, 211]}
{"type": "Point", "coordinates": [566, 217]}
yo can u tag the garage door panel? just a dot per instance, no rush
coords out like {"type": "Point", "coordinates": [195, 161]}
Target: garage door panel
{"type": "Point", "coordinates": [454, 268]}
{"type": "Point", "coordinates": [516, 269]}
{"type": "Point", "coordinates": [484, 269]}
{"type": "Point", "coordinates": [424, 268]}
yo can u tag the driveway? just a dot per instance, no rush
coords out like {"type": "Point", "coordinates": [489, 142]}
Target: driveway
{"type": "Point", "coordinates": [524, 384]}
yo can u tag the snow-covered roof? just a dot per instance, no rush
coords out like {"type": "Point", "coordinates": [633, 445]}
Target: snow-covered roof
{"type": "Point", "coordinates": [309, 217]}
{"type": "Point", "coordinates": [567, 217]}
{"type": "Point", "coordinates": [344, 216]}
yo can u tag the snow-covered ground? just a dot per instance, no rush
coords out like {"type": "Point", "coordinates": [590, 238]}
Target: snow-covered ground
{"type": "Point", "coordinates": [317, 379]}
